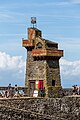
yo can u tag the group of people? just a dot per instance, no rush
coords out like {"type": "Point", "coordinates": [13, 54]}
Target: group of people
{"type": "Point", "coordinates": [37, 93]}
{"type": "Point", "coordinates": [11, 92]}
{"type": "Point", "coordinates": [76, 90]}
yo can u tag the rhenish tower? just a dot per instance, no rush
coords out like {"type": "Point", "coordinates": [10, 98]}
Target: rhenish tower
{"type": "Point", "coordinates": [42, 64]}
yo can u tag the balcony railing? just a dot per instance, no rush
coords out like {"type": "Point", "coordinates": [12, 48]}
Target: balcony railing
{"type": "Point", "coordinates": [41, 52]}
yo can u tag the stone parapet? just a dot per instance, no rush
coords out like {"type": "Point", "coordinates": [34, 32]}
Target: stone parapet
{"type": "Point", "coordinates": [66, 108]}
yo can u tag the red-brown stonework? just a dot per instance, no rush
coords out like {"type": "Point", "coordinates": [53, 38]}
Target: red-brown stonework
{"type": "Point", "coordinates": [43, 52]}
{"type": "Point", "coordinates": [42, 63]}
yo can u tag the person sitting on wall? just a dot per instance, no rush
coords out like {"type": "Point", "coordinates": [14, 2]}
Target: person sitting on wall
{"type": "Point", "coordinates": [42, 92]}
{"type": "Point", "coordinates": [77, 90]}
{"type": "Point", "coordinates": [74, 89]}
{"type": "Point", "coordinates": [6, 93]}
{"type": "Point", "coordinates": [16, 91]}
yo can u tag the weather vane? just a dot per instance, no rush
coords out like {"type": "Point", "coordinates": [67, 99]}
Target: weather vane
{"type": "Point", "coordinates": [33, 21]}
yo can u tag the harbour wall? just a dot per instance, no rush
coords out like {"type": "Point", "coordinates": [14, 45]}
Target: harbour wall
{"type": "Point", "coordinates": [66, 108]}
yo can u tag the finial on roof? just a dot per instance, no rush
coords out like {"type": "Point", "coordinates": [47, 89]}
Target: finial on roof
{"type": "Point", "coordinates": [33, 21]}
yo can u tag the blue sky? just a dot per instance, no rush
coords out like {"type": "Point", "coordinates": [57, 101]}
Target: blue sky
{"type": "Point", "coordinates": [59, 21]}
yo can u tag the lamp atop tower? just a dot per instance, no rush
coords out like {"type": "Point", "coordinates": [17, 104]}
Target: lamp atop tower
{"type": "Point", "coordinates": [33, 21]}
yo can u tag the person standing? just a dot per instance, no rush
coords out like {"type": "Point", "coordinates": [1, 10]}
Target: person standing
{"type": "Point", "coordinates": [16, 91]}
{"type": "Point", "coordinates": [9, 90]}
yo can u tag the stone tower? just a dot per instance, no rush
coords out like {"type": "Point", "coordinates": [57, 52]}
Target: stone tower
{"type": "Point", "coordinates": [42, 64]}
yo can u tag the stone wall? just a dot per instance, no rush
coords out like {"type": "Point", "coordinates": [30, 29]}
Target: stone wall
{"type": "Point", "coordinates": [66, 108]}
{"type": "Point", "coordinates": [36, 70]}
{"type": "Point", "coordinates": [67, 91]}
{"type": "Point", "coordinates": [53, 71]}
{"type": "Point", "coordinates": [8, 113]}
{"type": "Point", "coordinates": [47, 70]}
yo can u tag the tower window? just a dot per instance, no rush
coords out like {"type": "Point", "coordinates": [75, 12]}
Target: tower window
{"type": "Point", "coordinates": [39, 45]}
{"type": "Point", "coordinates": [53, 82]}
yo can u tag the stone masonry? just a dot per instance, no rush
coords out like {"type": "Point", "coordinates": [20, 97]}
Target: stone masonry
{"type": "Point", "coordinates": [66, 108]}
{"type": "Point", "coordinates": [42, 63]}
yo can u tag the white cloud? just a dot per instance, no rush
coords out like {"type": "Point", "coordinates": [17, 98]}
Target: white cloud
{"type": "Point", "coordinates": [63, 3]}
{"type": "Point", "coordinates": [70, 68]}
{"type": "Point", "coordinates": [8, 62]}
{"type": "Point", "coordinates": [70, 72]}
{"type": "Point", "coordinates": [12, 69]}
{"type": "Point", "coordinates": [75, 1]}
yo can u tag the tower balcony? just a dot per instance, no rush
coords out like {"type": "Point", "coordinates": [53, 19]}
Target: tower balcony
{"type": "Point", "coordinates": [27, 43]}
{"type": "Point", "coordinates": [41, 52]}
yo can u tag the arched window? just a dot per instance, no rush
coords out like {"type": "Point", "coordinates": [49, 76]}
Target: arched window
{"type": "Point", "coordinates": [39, 45]}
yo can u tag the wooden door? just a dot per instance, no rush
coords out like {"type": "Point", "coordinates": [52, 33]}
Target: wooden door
{"type": "Point", "coordinates": [32, 87]}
